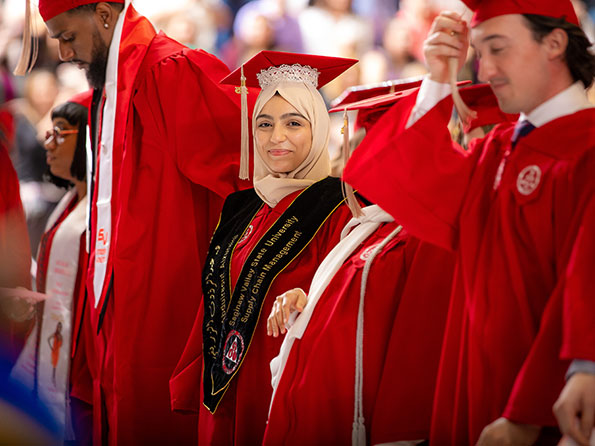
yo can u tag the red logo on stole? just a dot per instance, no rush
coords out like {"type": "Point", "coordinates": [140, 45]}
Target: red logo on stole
{"type": "Point", "coordinates": [233, 351]}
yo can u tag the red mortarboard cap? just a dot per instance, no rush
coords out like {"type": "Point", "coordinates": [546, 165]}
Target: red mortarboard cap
{"type": "Point", "coordinates": [361, 92]}
{"type": "Point", "coordinates": [271, 67]}
{"type": "Point", "coordinates": [48, 10]}
{"type": "Point", "coordinates": [486, 9]}
{"type": "Point", "coordinates": [328, 67]}
{"type": "Point", "coordinates": [481, 98]}
{"type": "Point", "coordinates": [83, 98]}
{"type": "Point", "coordinates": [371, 109]}
{"type": "Point", "coordinates": [51, 8]}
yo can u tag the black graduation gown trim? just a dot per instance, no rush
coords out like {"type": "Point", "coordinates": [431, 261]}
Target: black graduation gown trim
{"type": "Point", "coordinates": [231, 316]}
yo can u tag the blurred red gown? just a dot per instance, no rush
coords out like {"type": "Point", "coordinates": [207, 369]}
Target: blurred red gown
{"type": "Point", "coordinates": [406, 303]}
{"type": "Point", "coordinates": [241, 416]}
{"type": "Point", "coordinates": [521, 304]}
{"type": "Point", "coordinates": [15, 252]}
{"type": "Point", "coordinates": [175, 158]}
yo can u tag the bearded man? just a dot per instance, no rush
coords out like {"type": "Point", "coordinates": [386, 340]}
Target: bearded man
{"type": "Point", "coordinates": [164, 153]}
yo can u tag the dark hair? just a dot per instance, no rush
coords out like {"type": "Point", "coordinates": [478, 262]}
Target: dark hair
{"type": "Point", "coordinates": [91, 7]}
{"type": "Point", "coordinates": [75, 114]}
{"type": "Point", "coordinates": [580, 61]}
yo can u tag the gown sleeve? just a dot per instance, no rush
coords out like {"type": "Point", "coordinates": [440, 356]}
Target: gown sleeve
{"type": "Point", "coordinates": [171, 96]}
{"type": "Point", "coordinates": [417, 173]}
{"type": "Point", "coordinates": [184, 385]}
{"type": "Point", "coordinates": [14, 238]}
{"type": "Point", "coordinates": [578, 335]}
{"type": "Point", "coordinates": [15, 251]}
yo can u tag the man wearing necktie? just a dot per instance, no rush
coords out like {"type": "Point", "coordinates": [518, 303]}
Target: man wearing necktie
{"type": "Point", "coordinates": [519, 212]}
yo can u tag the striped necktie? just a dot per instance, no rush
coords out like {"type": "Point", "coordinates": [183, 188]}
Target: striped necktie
{"type": "Point", "coordinates": [521, 129]}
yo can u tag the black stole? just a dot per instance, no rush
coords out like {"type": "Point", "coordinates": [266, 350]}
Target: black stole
{"type": "Point", "coordinates": [231, 317]}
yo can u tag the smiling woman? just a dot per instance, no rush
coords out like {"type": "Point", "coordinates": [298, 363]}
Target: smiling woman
{"type": "Point", "coordinates": [283, 135]}
{"type": "Point", "coordinates": [291, 133]}
{"type": "Point", "coordinates": [269, 239]}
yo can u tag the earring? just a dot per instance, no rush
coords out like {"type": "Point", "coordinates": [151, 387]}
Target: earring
{"type": "Point", "coordinates": [105, 25]}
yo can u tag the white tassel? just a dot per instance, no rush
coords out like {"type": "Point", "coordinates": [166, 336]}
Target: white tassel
{"type": "Point", "coordinates": [358, 433]}
{"type": "Point", "coordinates": [245, 134]}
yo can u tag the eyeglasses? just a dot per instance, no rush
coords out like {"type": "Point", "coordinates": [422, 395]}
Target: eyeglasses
{"type": "Point", "coordinates": [58, 134]}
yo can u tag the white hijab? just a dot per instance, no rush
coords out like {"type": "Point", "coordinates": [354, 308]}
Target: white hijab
{"type": "Point", "coordinates": [271, 186]}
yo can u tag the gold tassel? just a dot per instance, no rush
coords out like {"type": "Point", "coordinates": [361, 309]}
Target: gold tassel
{"type": "Point", "coordinates": [30, 45]}
{"type": "Point", "coordinates": [348, 193]}
{"type": "Point", "coordinates": [245, 134]}
{"type": "Point", "coordinates": [464, 112]}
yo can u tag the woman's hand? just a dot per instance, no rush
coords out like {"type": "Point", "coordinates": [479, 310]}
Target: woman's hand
{"type": "Point", "coordinates": [292, 300]}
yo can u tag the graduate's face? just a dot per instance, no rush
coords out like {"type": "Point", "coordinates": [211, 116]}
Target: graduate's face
{"type": "Point", "coordinates": [283, 135]}
{"type": "Point", "coordinates": [60, 145]}
{"type": "Point", "coordinates": [513, 62]}
{"type": "Point", "coordinates": [82, 42]}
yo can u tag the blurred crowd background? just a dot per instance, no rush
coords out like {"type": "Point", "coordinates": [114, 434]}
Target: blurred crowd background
{"type": "Point", "coordinates": [386, 36]}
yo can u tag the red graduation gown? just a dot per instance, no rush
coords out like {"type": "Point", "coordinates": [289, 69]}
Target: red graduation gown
{"type": "Point", "coordinates": [175, 158]}
{"type": "Point", "coordinates": [404, 319]}
{"type": "Point", "coordinates": [15, 252]}
{"type": "Point", "coordinates": [240, 418]}
{"type": "Point", "coordinates": [14, 238]}
{"type": "Point", "coordinates": [520, 258]}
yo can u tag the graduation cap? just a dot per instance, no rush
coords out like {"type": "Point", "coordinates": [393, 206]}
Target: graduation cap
{"type": "Point", "coordinates": [269, 68]}
{"type": "Point", "coordinates": [51, 8]}
{"type": "Point", "coordinates": [48, 10]}
{"type": "Point", "coordinates": [372, 108]}
{"type": "Point", "coordinates": [481, 98]}
{"type": "Point", "coordinates": [486, 9]}
{"type": "Point", "coordinates": [369, 111]}
{"type": "Point", "coordinates": [85, 98]}
{"type": "Point", "coordinates": [362, 92]}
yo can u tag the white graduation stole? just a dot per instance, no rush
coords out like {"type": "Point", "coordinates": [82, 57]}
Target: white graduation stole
{"type": "Point", "coordinates": [103, 230]}
{"type": "Point", "coordinates": [55, 341]}
{"type": "Point", "coordinates": [354, 233]}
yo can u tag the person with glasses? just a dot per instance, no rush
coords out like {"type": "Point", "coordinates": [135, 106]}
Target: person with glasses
{"type": "Point", "coordinates": [165, 139]}
{"type": "Point", "coordinates": [57, 371]}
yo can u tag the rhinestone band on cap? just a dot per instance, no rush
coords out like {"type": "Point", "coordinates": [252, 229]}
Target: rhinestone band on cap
{"type": "Point", "coordinates": [288, 73]}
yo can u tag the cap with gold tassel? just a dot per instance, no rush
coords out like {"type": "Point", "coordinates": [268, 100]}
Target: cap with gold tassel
{"type": "Point", "coordinates": [370, 102]}
{"type": "Point", "coordinates": [348, 192]}
{"type": "Point", "coordinates": [269, 67]}
{"type": "Point", "coordinates": [369, 110]}
{"type": "Point", "coordinates": [245, 134]}
{"type": "Point", "coordinates": [466, 114]}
